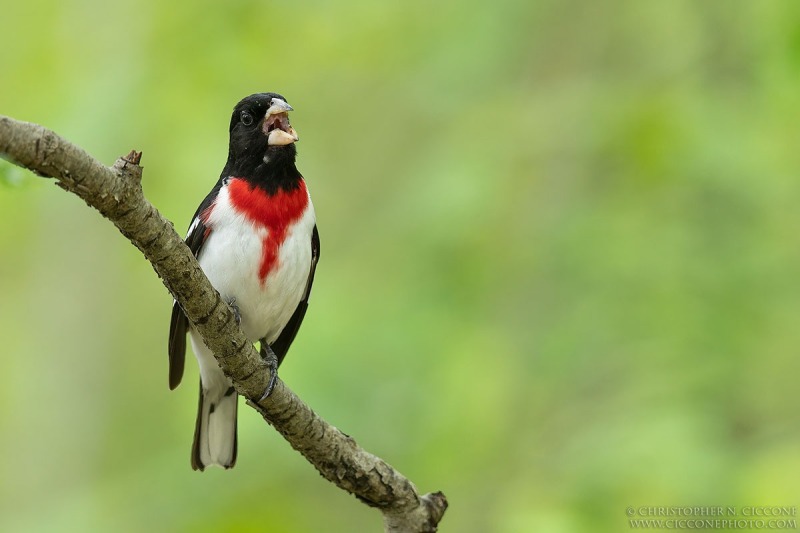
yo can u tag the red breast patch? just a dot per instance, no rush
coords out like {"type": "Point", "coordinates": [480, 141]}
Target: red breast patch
{"type": "Point", "coordinates": [276, 213]}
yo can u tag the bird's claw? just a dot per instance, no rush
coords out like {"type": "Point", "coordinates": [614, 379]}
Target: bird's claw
{"type": "Point", "coordinates": [271, 359]}
{"type": "Point", "coordinates": [236, 312]}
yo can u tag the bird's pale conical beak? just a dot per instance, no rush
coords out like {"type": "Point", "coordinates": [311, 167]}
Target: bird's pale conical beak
{"type": "Point", "coordinates": [276, 124]}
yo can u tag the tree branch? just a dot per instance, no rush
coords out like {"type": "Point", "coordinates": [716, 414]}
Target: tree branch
{"type": "Point", "coordinates": [117, 193]}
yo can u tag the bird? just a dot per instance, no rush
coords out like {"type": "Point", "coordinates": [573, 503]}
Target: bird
{"type": "Point", "coordinates": [255, 237]}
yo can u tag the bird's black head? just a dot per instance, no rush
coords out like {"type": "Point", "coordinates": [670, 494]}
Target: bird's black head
{"type": "Point", "coordinates": [261, 139]}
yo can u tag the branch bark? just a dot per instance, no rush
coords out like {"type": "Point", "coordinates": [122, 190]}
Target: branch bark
{"type": "Point", "coordinates": [117, 193]}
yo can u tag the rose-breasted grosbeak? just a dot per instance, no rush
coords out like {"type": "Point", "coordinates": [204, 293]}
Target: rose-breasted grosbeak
{"type": "Point", "coordinates": [255, 237]}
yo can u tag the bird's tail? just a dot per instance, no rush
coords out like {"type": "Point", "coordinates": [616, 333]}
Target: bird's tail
{"type": "Point", "coordinates": [215, 430]}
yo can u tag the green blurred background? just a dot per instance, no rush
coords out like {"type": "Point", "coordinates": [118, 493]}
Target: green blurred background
{"type": "Point", "coordinates": [559, 259]}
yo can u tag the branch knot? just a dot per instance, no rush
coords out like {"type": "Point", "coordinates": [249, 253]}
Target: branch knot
{"type": "Point", "coordinates": [128, 166]}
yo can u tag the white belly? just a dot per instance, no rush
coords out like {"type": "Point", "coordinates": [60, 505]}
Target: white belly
{"type": "Point", "coordinates": [231, 258]}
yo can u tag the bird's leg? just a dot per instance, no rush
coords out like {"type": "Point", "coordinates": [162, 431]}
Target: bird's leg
{"type": "Point", "coordinates": [272, 361]}
{"type": "Point", "coordinates": [232, 304]}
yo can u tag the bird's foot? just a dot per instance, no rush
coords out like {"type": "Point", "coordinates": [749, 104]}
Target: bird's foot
{"type": "Point", "coordinates": [237, 314]}
{"type": "Point", "coordinates": [271, 359]}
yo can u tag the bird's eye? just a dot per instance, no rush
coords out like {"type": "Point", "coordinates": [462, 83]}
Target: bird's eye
{"type": "Point", "coordinates": [247, 118]}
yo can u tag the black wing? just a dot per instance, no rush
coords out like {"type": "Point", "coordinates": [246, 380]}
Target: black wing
{"type": "Point", "coordinates": [284, 340]}
{"type": "Point", "coordinates": [179, 324]}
